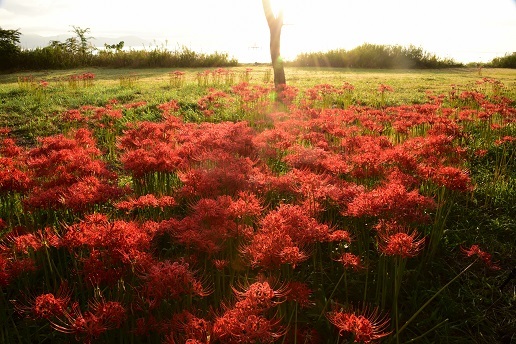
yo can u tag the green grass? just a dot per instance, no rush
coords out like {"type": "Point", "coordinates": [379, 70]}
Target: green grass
{"type": "Point", "coordinates": [32, 112]}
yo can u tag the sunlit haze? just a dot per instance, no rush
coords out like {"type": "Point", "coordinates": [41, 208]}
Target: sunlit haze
{"type": "Point", "coordinates": [465, 30]}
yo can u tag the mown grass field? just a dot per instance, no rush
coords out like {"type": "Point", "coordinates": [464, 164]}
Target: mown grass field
{"type": "Point", "coordinates": [147, 206]}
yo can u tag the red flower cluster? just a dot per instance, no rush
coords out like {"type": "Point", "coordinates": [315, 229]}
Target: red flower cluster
{"type": "Point", "coordinates": [475, 250]}
{"type": "Point", "coordinates": [68, 173]}
{"type": "Point", "coordinates": [246, 322]}
{"type": "Point", "coordinates": [146, 201]}
{"type": "Point", "coordinates": [14, 173]}
{"type": "Point", "coordinates": [283, 235]}
{"type": "Point", "coordinates": [365, 326]}
{"type": "Point", "coordinates": [88, 326]}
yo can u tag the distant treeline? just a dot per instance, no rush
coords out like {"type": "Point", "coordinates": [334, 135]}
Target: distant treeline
{"type": "Point", "coordinates": [77, 51]}
{"type": "Point", "coordinates": [52, 57]}
{"type": "Point", "coordinates": [374, 56]}
{"type": "Point", "coordinates": [507, 61]}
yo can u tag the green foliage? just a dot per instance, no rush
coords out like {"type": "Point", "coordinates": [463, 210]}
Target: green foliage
{"type": "Point", "coordinates": [9, 48]}
{"type": "Point", "coordinates": [374, 56]}
{"type": "Point", "coordinates": [507, 61]}
{"type": "Point", "coordinates": [78, 52]}
{"type": "Point", "coordinates": [69, 54]}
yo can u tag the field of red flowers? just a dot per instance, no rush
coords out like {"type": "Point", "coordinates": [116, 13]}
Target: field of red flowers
{"type": "Point", "coordinates": [304, 219]}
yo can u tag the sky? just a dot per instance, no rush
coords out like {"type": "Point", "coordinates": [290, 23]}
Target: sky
{"type": "Point", "coordinates": [464, 30]}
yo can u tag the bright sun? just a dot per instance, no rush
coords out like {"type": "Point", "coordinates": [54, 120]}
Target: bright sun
{"type": "Point", "coordinates": [278, 6]}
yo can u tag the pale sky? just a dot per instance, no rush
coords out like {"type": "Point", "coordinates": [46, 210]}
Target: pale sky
{"type": "Point", "coordinates": [465, 30]}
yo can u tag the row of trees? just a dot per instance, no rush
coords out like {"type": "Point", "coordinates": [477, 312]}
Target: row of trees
{"type": "Point", "coordinates": [78, 51]}
{"type": "Point", "coordinates": [507, 61]}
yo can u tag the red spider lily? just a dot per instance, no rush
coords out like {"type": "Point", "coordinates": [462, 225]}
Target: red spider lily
{"type": "Point", "coordinates": [134, 105]}
{"type": "Point", "coordinates": [25, 243]}
{"type": "Point", "coordinates": [391, 200]}
{"type": "Point", "coordinates": [287, 226]}
{"type": "Point", "coordinates": [45, 306]}
{"type": "Point", "coordinates": [274, 141]}
{"type": "Point", "coordinates": [292, 255]}
{"type": "Point", "coordinates": [445, 126]}
{"type": "Point", "coordinates": [321, 92]}
{"type": "Point", "coordinates": [506, 139]}
{"type": "Point", "coordinates": [146, 201]}
{"type": "Point", "coordinates": [472, 97]}
{"type": "Point", "coordinates": [211, 224]}
{"type": "Point", "coordinates": [251, 97]}
{"type": "Point", "coordinates": [168, 109]}
{"type": "Point", "coordinates": [365, 326]}
{"type": "Point", "coordinates": [317, 189]}
{"type": "Point", "coordinates": [187, 325]}
{"type": "Point", "coordinates": [5, 276]}
{"type": "Point", "coordinates": [367, 155]}
{"type": "Point", "coordinates": [194, 341]}
{"type": "Point", "coordinates": [396, 240]}
{"type": "Point", "coordinates": [147, 325]}
{"type": "Point", "coordinates": [9, 149]}
{"type": "Point", "coordinates": [246, 206]}
{"type": "Point", "coordinates": [315, 159]}
{"type": "Point", "coordinates": [172, 145]}
{"type": "Point", "coordinates": [217, 173]}
{"type": "Point", "coordinates": [14, 173]}
{"type": "Point", "coordinates": [241, 326]}
{"type": "Point", "coordinates": [432, 149]}
{"type": "Point", "coordinates": [70, 174]}
{"type": "Point", "coordinates": [100, 268]}
{"type": "Point", "coordinates": [350, 261]}
{"type": "Point", "coordinates": [11, 268]}
{"type": "Point", "coordinates": [452, 178]}
{"type": "Point", "coordinates": [340, 235]}
{"type": "Point", "coordinates": [287, 94]}
{"type": "Point", "coordinates": [266, 247]}
{"type": "Point", "coordinates": [112, 313]}
{"type": "Point", "coordinates": [299, 292]}
{"type": "Point", "coordinates": [73, 116]}
{"type": "Point", "coordinates": [260, 296]}
{"type": "Point", "coordinates": [97, 232]}
{"type": "Point", "coordinates": [109, 249]}
{"type": "Point", "coordinates": [88, 326]}
{"type": "Point", "coordinates": [475, 250]}
{"type": "Point", "coordinates": [170, 280]}
{"type": "Point", "coordinates": [385, 88]}
{"type": "Point", "coordinates": [213, 101]}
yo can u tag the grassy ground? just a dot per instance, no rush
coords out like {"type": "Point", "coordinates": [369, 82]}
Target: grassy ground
{"type": "Point", "coordinates": [32, 113]}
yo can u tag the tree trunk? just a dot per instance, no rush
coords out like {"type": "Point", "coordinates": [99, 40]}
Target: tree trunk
{"type": "Point", "coordinates": [275, 24]}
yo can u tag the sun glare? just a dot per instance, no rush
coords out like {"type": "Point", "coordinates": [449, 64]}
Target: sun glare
{"type": "Point", "coordinates": [278, 6]}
